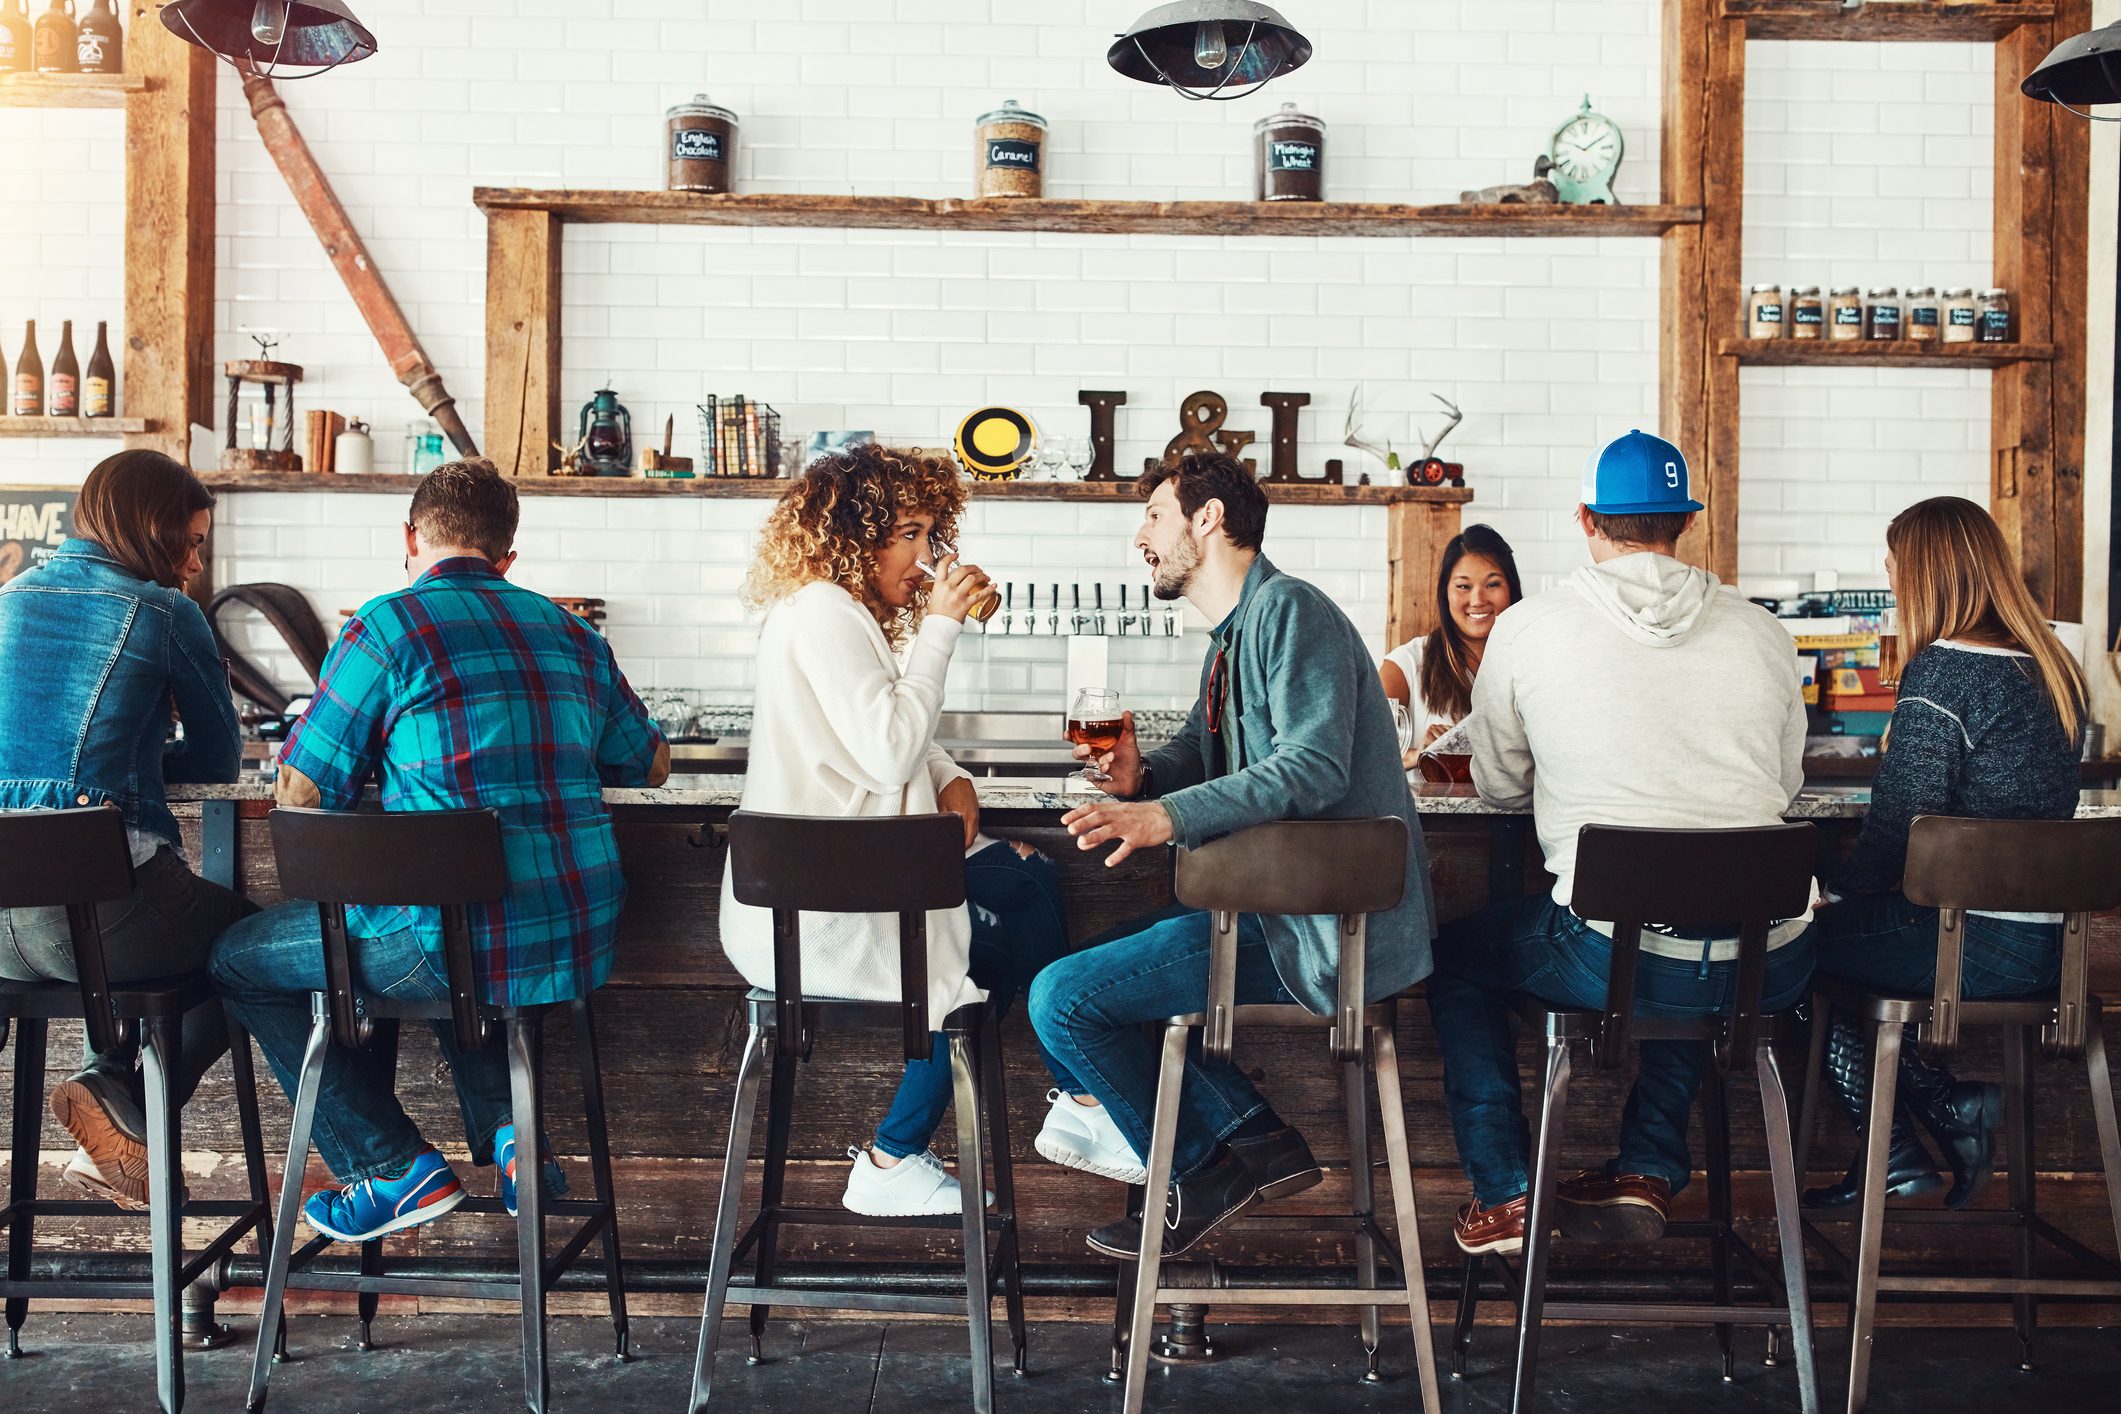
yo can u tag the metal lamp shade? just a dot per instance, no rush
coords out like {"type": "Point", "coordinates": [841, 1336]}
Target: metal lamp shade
{"type": "Point", "coordinates": [1159, 47]}
{"type": "Point", "coordinates": [2083, 69]}
{"type": "Point", "coordinates": [317, 35]}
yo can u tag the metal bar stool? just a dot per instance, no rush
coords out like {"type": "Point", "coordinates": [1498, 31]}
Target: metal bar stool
{"type": "Point", "coordinates": [1349, 868]}
{"type": "Point", "coordinates": [2007, 866]}
{"type": "Point", "coordinates": [448, 859]}
{"type": "Point", "coordinates": [910, 866]}
{"type": "Point", "coordinates": [79, 858]}
{"type": "Point", "coordinates": [1693, 879]}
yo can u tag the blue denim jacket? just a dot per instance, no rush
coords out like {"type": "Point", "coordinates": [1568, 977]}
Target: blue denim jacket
{"type": "Point", "coordinates": [92, 659]}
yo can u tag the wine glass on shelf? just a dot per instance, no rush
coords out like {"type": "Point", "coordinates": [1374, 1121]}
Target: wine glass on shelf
{"type": "Point", "coordinates": [1049, 459]}
{"type": "Point", "coordinates": [1082, 454]}
{"type": "Point", "coordinates": [1095, 721]}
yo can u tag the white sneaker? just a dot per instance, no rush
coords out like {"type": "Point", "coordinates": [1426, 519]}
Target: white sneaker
{"type": "Point", "coordinates": [915, 1187]}
{"type": "Point", "coordinates": [1085, 1137]}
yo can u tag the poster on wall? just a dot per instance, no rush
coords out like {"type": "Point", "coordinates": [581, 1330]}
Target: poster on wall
{"type": "Point", "coordinates": [34, 520]}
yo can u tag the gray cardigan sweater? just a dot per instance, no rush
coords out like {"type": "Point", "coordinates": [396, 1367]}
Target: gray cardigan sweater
{"type": "Point", "coordinates": [1308, 736]}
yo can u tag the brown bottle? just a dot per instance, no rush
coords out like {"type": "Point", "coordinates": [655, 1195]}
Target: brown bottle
{"type": "Point", "coordinates": [99, 395]}
{"type": "Point", "coordinates": [29, 378]}
{"type": "Point", "coordinates": [64, 386]}
{"type": "Point", "coordinates": [15, 40]}
{"type": "Point", "coordinates": [55, 39]}
{"type": "Point", "coordinates": [101, 47]}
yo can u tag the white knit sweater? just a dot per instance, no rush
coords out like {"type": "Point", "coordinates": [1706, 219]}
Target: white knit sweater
{"type": "Point", "coordinates": [841, 727]}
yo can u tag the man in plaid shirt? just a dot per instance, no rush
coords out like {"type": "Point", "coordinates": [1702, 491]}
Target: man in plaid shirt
{"type": "Point", "coordinates": [461, 691]}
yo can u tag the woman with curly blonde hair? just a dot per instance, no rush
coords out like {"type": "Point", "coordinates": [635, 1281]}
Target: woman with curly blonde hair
{"type": "Point", "coordinates": [852, 659]}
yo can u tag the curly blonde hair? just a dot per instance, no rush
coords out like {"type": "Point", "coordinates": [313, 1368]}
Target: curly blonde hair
{"type": "Point", "coordinates": [829, 525]}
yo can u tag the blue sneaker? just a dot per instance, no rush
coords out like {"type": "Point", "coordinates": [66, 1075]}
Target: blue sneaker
{"type": "Point", "coordinates": [504, 1158]}
{"type": "Point", "coordinates": [374, 1206]}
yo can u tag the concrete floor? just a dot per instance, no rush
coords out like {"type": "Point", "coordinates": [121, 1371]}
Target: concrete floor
{"type": "Point", "coordinates": [442, 1364]}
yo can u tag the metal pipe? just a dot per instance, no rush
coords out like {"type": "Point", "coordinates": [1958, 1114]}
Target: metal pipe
{"type": "Point", "coordinates": [313, 193]}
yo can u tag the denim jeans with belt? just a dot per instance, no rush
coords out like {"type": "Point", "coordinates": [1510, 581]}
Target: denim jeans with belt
{"type": "Point", "coordinates": [268, 965]}
{"type": "Point", "coordinates": [1017, 930]}
{"type": "Point", "coordinates": [1089, 1007]}
{"type": "Point", "coordinates": [164, 928]}
{"type": "Point", "coordinates": [1882, 940]}
{"type": "Point", "coordinates": [1535, 945]}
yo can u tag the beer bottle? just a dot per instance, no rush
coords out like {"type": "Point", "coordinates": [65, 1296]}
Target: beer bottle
{"type": "Point", "coordinates": [55, 39]}
{"type": "Point", "coordinates": [66, 376]}
{"type": "Point", "coordinates": [101, 47]}
{"type": "Point", "coordinates": [29, 377]}
{"type": "Point", "coordinates": [15, 41]}
{"type": "Point", "coordinates": [99, 396]}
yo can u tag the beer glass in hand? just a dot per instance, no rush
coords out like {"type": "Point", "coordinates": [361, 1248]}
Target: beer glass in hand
{"type": "Point", "coordinates": [982, 608]}
{"type": "Point", "coordinates": [1095, 721]}
{"type": "Point", "coordinates": [1889, 648]}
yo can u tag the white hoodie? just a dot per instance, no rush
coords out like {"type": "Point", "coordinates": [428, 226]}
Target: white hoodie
{"type": "Point", "coordinates": [1646, 694]}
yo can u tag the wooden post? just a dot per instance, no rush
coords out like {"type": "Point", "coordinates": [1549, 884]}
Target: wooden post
{"type": "Point", "coordinates": [1703, 163]}
{"type": "Point", "coordinates": [522, 340]}
{"type": "Point", "coordinates": [1416, 536]}
{"type": "Point", "coordinates": [168, 372]}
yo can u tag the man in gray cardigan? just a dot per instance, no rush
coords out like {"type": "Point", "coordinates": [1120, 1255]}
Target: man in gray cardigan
{"type": "Point", "coordinates": [1291, 725]}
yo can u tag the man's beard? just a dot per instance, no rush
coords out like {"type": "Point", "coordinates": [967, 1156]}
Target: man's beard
{"type": "Point", "coordinates": [1174, 572]}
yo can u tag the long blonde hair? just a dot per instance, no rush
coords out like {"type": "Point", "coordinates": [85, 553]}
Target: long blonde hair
{"type": "Point", "coordinates": [1955, 579]}
{"type": "Point", "coordinates": [830, 523]}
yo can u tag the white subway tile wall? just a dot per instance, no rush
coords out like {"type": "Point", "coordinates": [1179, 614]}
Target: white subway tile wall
{"type": "Point", "coordinates": [1866, 164]}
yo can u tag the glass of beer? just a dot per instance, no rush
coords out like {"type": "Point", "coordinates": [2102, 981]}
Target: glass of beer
{"type": "Point", "coordinates": [1889, 648]}
{"type": "Point", "coordinates": [1095, 721]}
{"type": "Point", "coordinates": [982, 608]}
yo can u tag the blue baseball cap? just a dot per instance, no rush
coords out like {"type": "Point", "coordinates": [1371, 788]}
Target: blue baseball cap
{"type": "Point", "coordinates": [1637, 475]}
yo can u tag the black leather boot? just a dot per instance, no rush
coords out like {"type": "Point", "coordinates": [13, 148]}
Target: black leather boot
{"type": "Point", "coordinates": [1908, 1170]}
{"type": "Point", "coordinates": [1961, 1115]}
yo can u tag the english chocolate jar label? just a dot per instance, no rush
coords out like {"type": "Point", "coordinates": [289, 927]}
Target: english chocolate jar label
{"type": "Point", "coordinates": [1292, 156]}
{"type": "Point", "coordinates": [1012, 152]}
{"type": "Point", "coordinates": [695, 145]}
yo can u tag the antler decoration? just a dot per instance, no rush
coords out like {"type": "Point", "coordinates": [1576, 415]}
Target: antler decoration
{"type": "Point", "coordinates": [1353, 433]}
{"type": "Point", "coordinates": [1429, 448]}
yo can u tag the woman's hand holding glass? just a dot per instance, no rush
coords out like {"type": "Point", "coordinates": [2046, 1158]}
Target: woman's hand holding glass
{"type": "Point", "coordinates": [957, 588]}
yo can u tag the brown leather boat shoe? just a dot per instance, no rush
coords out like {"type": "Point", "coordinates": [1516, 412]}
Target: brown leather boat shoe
{"type": "Point", "coordinates": [1619, 1207]}
{"type": "Point", "coordinates": [1499, 1229]}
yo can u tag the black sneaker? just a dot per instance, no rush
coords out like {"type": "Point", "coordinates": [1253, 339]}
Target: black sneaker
{"type": "Point", "coordinates": [1196, 1208]}
{"type": "Point", "coordinates": [1281, 1163]}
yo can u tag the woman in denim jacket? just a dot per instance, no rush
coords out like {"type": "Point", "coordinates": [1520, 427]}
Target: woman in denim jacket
{"type": "Point", "coordinates": [103, 654]}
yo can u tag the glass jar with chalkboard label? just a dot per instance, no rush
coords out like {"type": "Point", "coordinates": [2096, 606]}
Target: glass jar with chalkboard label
{"type": "Point", "coordinates": [1994, 326]}
{"type": "Point", "coordinates": [1844, 314]}
{"type": "Point", "coordinates": [1763, 309]}
{"type": "Point", "coordinates": [1290, 157]}
{"type": "Point", "coordinates": [1807, 313]}
{"type": "Point", "coordinates": [1009, 152]}
{"type": "Point", "coordinates": [700, 150]}
{"type": "Point", "coordinates": [1925, 316]}
{"type": "Point", "coordinates": [1881, 314]}
{"type": "Point", "coordinates": [1959, 315]}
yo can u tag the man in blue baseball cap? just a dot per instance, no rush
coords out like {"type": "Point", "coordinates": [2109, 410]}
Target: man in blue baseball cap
{"type": "Point", "coordinates": [1641, 692]}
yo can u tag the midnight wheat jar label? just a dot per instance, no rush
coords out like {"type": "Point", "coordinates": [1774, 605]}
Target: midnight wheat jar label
{"type": "Point", "coordinates": [1292, 157]}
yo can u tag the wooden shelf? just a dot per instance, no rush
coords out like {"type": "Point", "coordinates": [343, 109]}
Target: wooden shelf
{"type": "Point", "coordinates": [1194, 218]}
{"type": "Point", "coordinates": [69, 90]}
{"type": "Point", "coordinates": [72, 426]}
{"type": "Point", "coordinates": [714, 488]}
{"type": "Point", "coordinates": [1912, 20]}
{"type": "Point", "coordinates": [1900, 353]}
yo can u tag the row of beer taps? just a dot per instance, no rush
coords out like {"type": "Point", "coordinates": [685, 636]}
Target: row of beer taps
{"type": "Point", "coordinates": [1025, 611]}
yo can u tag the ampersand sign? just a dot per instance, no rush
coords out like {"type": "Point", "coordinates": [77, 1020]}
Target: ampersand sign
{"type": "Point", "coordinates": [1201, 419]}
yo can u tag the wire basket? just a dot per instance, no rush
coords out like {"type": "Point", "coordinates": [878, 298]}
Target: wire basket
{"type": "Point", "coordinates": [739, 437]}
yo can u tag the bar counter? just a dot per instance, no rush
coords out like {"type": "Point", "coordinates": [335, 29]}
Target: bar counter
{"type": "Point", "coordinates": [670, 1027]}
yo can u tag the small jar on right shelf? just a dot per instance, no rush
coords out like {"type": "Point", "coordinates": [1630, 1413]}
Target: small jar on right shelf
{"type": "Point", "coordinates": [1960, 315]}
{"type": "Point", "coordinates": [1994, 317]}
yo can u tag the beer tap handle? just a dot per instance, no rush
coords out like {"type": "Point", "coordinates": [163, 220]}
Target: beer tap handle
{"type": "Point", "coordinates": [1123, 615]}
{"type": "Point", "coordinates": [1008, 607]}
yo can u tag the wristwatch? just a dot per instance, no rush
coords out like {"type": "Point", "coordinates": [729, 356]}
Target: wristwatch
{"type": "Point", "coordinates": [1148, 787]}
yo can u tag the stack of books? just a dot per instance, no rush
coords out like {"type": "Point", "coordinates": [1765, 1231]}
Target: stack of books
{"type": "Point", "coordinates": [739, 436]}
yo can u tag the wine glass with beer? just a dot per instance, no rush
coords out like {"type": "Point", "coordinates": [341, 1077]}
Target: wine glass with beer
{"type": "Point", "coordinates": [1095, 721]}
{"type": "Point", "coordinates": [1889, 648]}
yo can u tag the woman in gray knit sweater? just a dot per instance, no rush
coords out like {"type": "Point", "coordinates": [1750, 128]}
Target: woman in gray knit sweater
{"type": "Point", "coordinates": [1987, 727]}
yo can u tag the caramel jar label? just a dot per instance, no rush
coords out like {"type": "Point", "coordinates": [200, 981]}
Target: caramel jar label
{"type": "Point", "coordinates": [1012, 152]}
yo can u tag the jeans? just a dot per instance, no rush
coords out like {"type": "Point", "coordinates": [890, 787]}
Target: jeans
{"type": "Point", "coordinates": [1017, 930]}
{"type": "Point", "coordinates": [1534, 945]}
{"type": "Point", "coordinates": [164, 928]}
{"type": "Point", "coordinates": [1882, 940]}
{"type": "Point", "coordinates": [268, 965]}
{"type": "Point", "coordinates": [1089, 1008]}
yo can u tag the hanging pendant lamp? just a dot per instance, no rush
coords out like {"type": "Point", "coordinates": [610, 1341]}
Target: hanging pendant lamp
{"type": "Point", "coordinates": [2083, 69]}
{"type": "Point", "coordinates": [1213, 50]}
{"type": "Point", "coordinates": [291, 39]}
